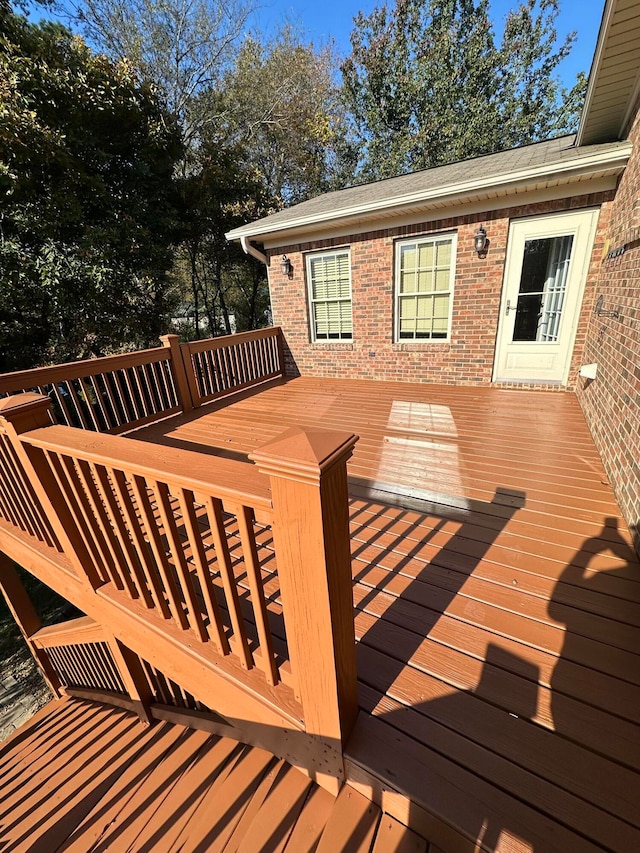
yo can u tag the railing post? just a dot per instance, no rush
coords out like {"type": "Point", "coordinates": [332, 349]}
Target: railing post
{"type": "Point", "coordinates": [133, 677]}
{"type": "Point", "coordinates": [311, 536]}
{"type": "Point", "coordinates": [27, 619]}
{"type": "Point", "coordinates": [183, 386]}
{"type": "Point", "coordinates": [22, 413]}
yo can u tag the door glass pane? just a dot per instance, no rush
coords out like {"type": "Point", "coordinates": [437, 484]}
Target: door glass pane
{"type": "Point", "coordinates": [543, 283]}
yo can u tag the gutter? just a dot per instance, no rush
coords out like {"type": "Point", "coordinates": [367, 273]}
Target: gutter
{"type": "Point", "coordinates": [517, 181]}
{"type": "Point", "coordinates": [250, 249]}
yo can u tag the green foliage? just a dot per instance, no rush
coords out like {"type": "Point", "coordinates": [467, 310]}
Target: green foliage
{"type": "Point", "coordinates": [219, 192]}
{"type": "Point", "coordinates": [426, 84]}
{"type": "Point", "coordinates": [281, 107]}
{"type": "Point", "coordinates": [86, 196]}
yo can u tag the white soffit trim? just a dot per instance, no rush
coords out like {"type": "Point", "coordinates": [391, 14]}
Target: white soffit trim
{"type": "Point", "coordinates": [582, 168]}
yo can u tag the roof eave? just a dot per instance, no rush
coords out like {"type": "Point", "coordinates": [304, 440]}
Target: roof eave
{"type": "Point", "coordinates": [517, 182]}
{"type": "Point", "coordinates": [595, 67]}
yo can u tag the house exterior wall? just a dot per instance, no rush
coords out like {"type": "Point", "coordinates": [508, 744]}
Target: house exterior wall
{"type": "Point", "coordinates": [611, 402]}
{"type": "Point", "coordinates": [468, 357]}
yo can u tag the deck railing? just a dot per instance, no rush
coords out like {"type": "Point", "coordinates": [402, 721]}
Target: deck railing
{"type": "Point", "coordinates": [85, 661]}
{"type": "Point", "coordinates": [167, 537]}
{"type": "Point", "coordinates": [221, 366]}
{"type": "Point", "coordinates": [80, 655]}
{"type": "Point", "coordinates": [109, 394]}
{"type": "Point", "coordinates": [121, 392]}
{"type": "Point", "coordinates": [246, 565]}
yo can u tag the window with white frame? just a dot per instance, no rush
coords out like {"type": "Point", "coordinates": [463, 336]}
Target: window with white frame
{"type": "Point", "coordinates": [329, 283]}
{"type": "Point", "coordinates": [425, 270]}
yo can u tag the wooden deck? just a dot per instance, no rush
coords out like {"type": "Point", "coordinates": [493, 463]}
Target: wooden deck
{"type": "Point", "coordinates": [497, 607]}
{"type": "Point", "coordinates": [86, 777]}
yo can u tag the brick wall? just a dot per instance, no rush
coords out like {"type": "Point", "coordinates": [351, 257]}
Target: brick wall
{"type": "Point", "coordinates": [468, 357]}
{"type": "Point", "coordinates": [611, 402]}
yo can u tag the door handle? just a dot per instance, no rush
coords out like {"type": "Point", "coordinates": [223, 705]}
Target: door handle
{"type": "Point", "coordinates": [508, 307]}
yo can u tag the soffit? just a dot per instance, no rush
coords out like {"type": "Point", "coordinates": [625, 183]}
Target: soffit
{"type": "Point", "coordinates": [615, 75]}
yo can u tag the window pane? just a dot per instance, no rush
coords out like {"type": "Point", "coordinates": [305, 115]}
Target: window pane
{"type": "Point", "coordinates": [407, 282]}
{"type": "Point", "coordinates": [408, 257]}
{"type": "Point", "coordinates": [426, 255]}
{"type": "Point", "coordinates": [330, 277]}
{"type": "Point", "coordinates": [444, 253]}
{"type": "Point", "coordinates": [425, 269]}
{"type": "Point", "coordinates": [329, 285]}
{"type": "Point", "coordinates": [442, 279]}
{"type": "Point", "coordinates": [425, 281]}
{"type": "Point", "coordinates": [441, 306]}
{"type": "Point", "coordinates": [425, 306]}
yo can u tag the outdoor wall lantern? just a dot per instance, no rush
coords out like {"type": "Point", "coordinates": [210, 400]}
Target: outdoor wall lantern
{"type": "Point", "coordinates": [480, 241]}
{"type": "Point", "coordinates": [286, 267]}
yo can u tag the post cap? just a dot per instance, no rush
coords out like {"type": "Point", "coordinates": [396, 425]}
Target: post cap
{"type": "Point", "coordinates": [304, 453]}
{"type": "Point", "coordinates": [25, 410]}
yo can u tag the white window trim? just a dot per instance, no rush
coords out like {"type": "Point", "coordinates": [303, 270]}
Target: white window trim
{"type": "Point", "coordinates": [423, 238]}
{"type": "Point", "coordinates": [311, 302]}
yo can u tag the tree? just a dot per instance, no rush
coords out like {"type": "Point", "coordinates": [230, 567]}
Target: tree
{"type": "Point", "coordinates": [217, 194]}
{"type": "Point", "coordinates": [281, 106]}
{"type": "Point", "coordinates": [182, 46]}
{"type": "Point", "coordinates": [425, 83]}
{"type": "Point", "coordinates": [86, 198]}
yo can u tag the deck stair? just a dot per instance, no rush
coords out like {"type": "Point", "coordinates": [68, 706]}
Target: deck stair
{"type": "Point", "coordinates": [111, 784]}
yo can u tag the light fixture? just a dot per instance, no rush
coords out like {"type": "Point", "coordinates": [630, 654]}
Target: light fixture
{"type": "Point", "coordinates": [601, 311]}
{"type": "Point", "coordinates": [286, 267]}
{"type": "Point", "coordinates": [480, 241]}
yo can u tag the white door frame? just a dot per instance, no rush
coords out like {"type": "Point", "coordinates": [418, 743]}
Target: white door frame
{"type": "Point", "coordinates": [582, 225]}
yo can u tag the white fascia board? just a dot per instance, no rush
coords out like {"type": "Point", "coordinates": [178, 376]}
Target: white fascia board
{"type": "Point", "coordinates": [490, 204]}
{"type": "Point", "coordinates": [607, 16]}
{"type": "Point", "coordinates": [512, 182]}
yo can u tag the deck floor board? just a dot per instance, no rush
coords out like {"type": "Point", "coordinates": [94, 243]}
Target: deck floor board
{"type": "Point", "coordinates": [493, 573]}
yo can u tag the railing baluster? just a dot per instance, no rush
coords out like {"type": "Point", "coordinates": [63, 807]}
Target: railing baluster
{"type": "Point", "coordinates": [171, 532]}
{"type": "Point", "coordinates": [112, 557]}
{"type": "Point", "coordinates": [123, 398]}
{"type": "Point", "coordinates": [252, 565]}
{"type": "Point", "coordinates": [84, 386]}
{"type": "Point", "coordinates": [22, 509]}
{"type": "Point", "coordinates": [225, 567]}
{"type": "Point", "coordinates": [60, 470]}
{"type": "Point", "coordinates": [111, 388]}
{"type": "Point", "coordinates": [146, 577]}
{"type": "Point", "coordinates": [127, 373]}
{"type": "Point", "coordinates": [216, 627]}
{"type": "Point", "coordinates": [139, 487]}
{"type": "Point", "coordinates": [99, 677]}
{"type": "Point", "coordinates": [61, 396]}
{"type": "Point", "coordinates": [93, 381]}
{"type": "Point", "coordinates": [109, 668]}
{"type": "Point", "coordinates": [93, 538]}
{"type": "Point", "coordinates": [135, 381]}
{"type": "Point", "coordinates": [77, 404]}
{"type": "Point", "coordinates": [115, 518]}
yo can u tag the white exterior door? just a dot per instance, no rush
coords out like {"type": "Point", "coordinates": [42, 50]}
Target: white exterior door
{"type": "Point", "coordinates": [545, 271]}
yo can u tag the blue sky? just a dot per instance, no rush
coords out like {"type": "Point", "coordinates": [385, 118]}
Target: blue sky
{"type": "Point", "coordinates": [325, 19]}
